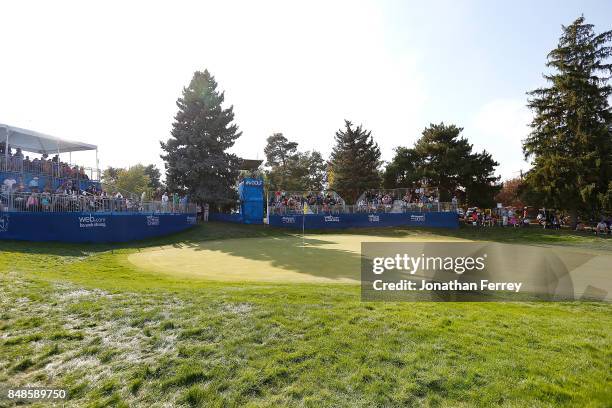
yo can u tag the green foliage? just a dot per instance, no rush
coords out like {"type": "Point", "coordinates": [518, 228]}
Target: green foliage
{"type": "Point", "coordinates": [134, 180]}
{"type": "Point", "coordinates": [110, 175]}
{"type": "Point", "coordinates": [571, 142]}
{"type": "Point", "coordinates": [290, 169]}
{"type": "Point", "coordinates": [355, 162]}
{"type": "Point", "coordinates": [279, 150]}
{"type": "Point", "coordinates": [154, 175]}
{"type": "Point", "coordinates": [196, 157]}
{"type": "Point", "coordinates": [443, 159]}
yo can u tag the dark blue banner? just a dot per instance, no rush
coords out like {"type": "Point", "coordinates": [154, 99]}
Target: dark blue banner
{"type": "Point", "coordinates": [325, 221]}
{"type": "Point", "coordinates": [225, 217]}
{"type": "Point", "coordinates": [90, 227]}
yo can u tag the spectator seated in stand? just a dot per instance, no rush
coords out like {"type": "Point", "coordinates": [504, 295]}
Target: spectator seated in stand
{"type": "Point", "coordinates": [602, 227]}
{"type": "Point", "coordinates": [19, 163]}
{"type": "Point", "coordinates": [291, 203]}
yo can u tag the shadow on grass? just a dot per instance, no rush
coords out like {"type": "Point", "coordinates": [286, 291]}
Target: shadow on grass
{"type": "Point", "coordinates": [308, 256]}
{"type": "Point", "coordinates": [201, 232]}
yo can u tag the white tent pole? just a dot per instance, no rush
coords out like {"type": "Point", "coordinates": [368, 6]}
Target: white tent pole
{"type": "Point", "coordinates": [58, 160]}
{"type": "Point", "coordinates": [97, 165]}
{"type": "Point", "coordinates": [6, 148]}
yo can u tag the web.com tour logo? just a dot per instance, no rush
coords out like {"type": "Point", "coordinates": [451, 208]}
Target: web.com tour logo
{"type": "Point", "coordinates": [92, 222]}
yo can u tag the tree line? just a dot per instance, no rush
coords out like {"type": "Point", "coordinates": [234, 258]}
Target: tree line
{"type": "Point", "coordinates": [137, 179]}
{"type": "Point", "coordinates": [569, 146]}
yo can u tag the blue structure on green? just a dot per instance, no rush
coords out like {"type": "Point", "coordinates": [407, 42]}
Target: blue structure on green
{"type": "Point", "coordinates": [250, 191]}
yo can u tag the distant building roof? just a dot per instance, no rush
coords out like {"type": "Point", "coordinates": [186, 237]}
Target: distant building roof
{"type": "Point", "coordinates": [250, 164]}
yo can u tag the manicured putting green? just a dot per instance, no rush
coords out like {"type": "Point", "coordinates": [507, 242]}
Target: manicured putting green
{"type": "Point", "coordinates": [323, 258]}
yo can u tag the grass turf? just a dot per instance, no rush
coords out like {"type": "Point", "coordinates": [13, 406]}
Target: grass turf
{"type": "Point", "coordinates": [85, 318]}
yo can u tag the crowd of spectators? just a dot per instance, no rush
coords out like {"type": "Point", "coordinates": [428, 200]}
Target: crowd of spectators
{"type": "Point", "coordinates": [15, 196]}
{"type": "Point", "coordinates": [284, 202]}
{"type": "Point", "coordinates": [18, 163]}
{"type": "Point", "coordinates": [526, 217]}
{"type": "Point", "coordinates": [385, 201]}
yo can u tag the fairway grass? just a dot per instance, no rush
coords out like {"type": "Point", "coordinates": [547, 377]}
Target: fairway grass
{"type": "Point", "coordinates": [117, 331]}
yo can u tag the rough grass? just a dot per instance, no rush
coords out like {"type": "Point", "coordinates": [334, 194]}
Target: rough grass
{"type": "Point", "coordinates": [83, 318]}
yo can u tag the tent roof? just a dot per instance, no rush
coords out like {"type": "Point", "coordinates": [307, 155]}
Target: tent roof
{"type": "Point", "coordinates": [35, 142]}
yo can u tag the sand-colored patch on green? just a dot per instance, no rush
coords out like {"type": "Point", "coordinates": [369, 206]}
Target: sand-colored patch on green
{"type": "Point", "coordinates": [322, 258]}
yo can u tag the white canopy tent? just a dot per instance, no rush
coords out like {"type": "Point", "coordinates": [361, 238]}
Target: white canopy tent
{"type": "Point", "coordinates": [35, 142]}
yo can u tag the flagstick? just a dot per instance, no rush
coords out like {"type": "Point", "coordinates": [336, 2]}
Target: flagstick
{"type": "Point", "coordinates": [303, 221]}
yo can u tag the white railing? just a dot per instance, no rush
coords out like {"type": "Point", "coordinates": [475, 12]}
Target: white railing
{"type": "Point", "coordinates": [49, 168]}
{"type": "Point", "coordinates": [45, 202]}
{"type": "Point", "coordinates": [308, 196]}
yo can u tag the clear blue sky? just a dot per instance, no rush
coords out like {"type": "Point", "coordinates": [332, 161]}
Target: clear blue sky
{"type": "Point", "coordinates": [110, 73]}
{"type": "Point", "coordinates": [486, 54]}
{"type": "Point", "coordinates": [476, 51]}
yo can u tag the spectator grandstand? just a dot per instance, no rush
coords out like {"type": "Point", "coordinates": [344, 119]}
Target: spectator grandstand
{"type": "Point", "coordinates": [403, 199]}
{"type": "Point", "coordinates": [43, 184]}
{"type": "Point", "coordinates": [311, 202]}
{"type": "Point", "coordinates": [371, 201]}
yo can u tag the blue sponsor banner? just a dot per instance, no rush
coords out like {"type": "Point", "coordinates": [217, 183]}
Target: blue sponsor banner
{"type": "Point", "coordinates": [91, 227]}
{"type": "Point", "coordinates": [325, 221]}
{"type": "Point", "coordinates": [225, 217]}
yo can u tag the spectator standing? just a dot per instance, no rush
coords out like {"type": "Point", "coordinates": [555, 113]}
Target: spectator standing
{"type": "Point", "coordinates": [164, 200]}
{"type": "Point", "coordinates": [175, 202]}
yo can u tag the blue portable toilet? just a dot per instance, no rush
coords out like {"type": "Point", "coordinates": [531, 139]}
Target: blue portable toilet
{"type": "Point", "coordinates": [250, 191]}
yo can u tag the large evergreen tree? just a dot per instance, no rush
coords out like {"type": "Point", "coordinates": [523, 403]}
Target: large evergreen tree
{"type": "Point", "coordinates": [355, 162]}
{"type": "Point", "coordinates": [279, 152]}
{"type": "Point", "coordinates": [570, 142]}
{"type": "Point", "coordinates": [443, 159]}
{"type": "Point", "coordinates": [197, 161]}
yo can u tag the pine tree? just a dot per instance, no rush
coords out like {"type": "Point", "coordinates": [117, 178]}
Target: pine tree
{"type": "Point", "coordinates": [355, 162]}
{"type": "Point", "coordinates": [196, 159]}
{"type": "Point", "coordinates": [443, 159]}
{"type": "Point", "coordinates": [279, 152]}
{"type": "Point", "coordinates": [570, 142]}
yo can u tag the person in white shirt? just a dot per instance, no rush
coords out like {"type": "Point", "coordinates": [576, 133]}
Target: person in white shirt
{"type": "Point", "coordinates": [164, 201]}
{"type": "Point", "coordinates": [9, 183]}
